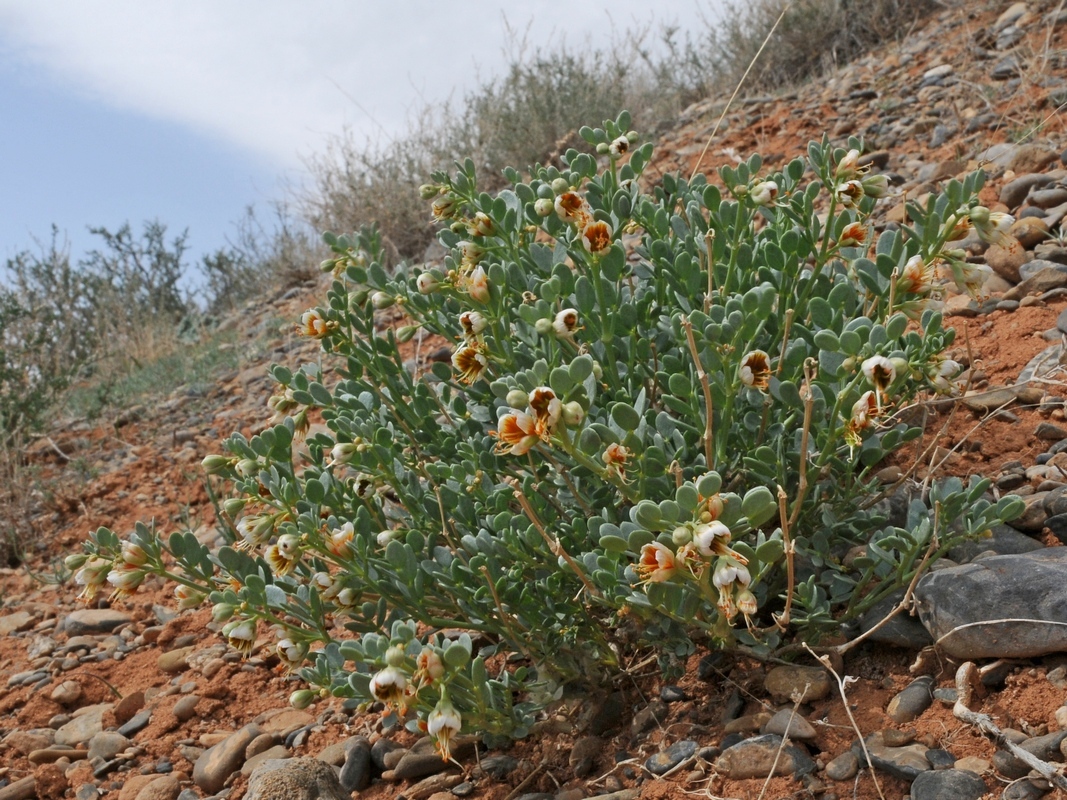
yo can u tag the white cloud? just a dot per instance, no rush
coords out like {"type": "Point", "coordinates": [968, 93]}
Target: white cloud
{"type": "Point", "coordinates": [277, 77]}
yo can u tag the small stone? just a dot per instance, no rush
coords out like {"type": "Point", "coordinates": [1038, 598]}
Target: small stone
{"type": "Point", "coordinates": [1006, 262]}
{"type": "Point", "coordinates": [941, 759]}
{"type": "Point", "coordinates": [1023, 790]}
{"type": "Point", "coordinates": [1015, 191]}
{"type": "Point", "coordinates": [89, 621]}
{"type": "Point", "coordinates": [584, 755]}
{"type": "Point", "coordinates": [787, 723]}
{"type": "Point", "coordinates": [1050, 432]}
{"type": "Point", "coordinates": [675, 694]}
{"type": "Point", "coordinates": [747, 723]}
{"type": "Point", "coordinates": [128, 706]}
{"type": "Point", "coordinates": [175, 660]}
{"type": "Point", "coordinates": [1009, 766]}
{"type": "Point", "coordinates": [107, 744]}
{"type": "Point", "coordinates": [901, 762]}
{"type": "Point", "coordinates": [185, 708]}
{"type": "Point", "coordinates": [756, 758]}
{"type": "Point", "coordinates": [912, 701]}
{"type": "Point", "coordinates": [295, 779]}
{"type": "Point", "coordinates": [24, 789]}
{"type": "Point", "coordinates": [978, 766]}
{"type": "Point", "coordinates": [136, 724]}
{"type": "Point", "coordinates": [499, 767]}
{"type": "Point", "coordinates": [655, 713]}
{"type": "Point", "coordinates": [28, 741]}
{"type": "Point", "coordinates": [165, 787]}
{"type": "Point", "coordinates": [355, 774]}
{"type": "Point", "coordinates": [941, 784]}
{"type": "Point", "coordinates": [797, 683]}
{"type": "Point", "coordinates": [844, 767]}
{"type": "Point", "coordinates": [19, 621]}
{"type": "Point", "coordinates": [67, 693]}
{"type": "Point", "coordinates": [88, 723]}
{"type": "Point", "coordinates": [50, 754]}
{"type": "Point", "coordinates": [216, 764]}
{"type": "Point", "coordinates": [666, 760]}
{"type": "Point", "coordinates": [418, 765]}
{"type": "Point", "coordinates": [286, 722]}
{"type": "Point", "coordinates": [380, 749]}
{"type": "Point", "coordinates": [1046, 747]}
{"type": "Point", "coordinates": [275, 753]}
{"type": "Point", "coordinates": [894, 738]}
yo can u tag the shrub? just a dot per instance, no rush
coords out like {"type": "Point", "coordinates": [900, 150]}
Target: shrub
{"type": "Point", "coordinates": [658, 428]}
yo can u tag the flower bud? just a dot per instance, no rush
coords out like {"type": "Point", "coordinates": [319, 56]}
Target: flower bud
{"type": "Point", "coordinates": [544, 327]}
{"type": "Point", "coordinates": [357, 298]}
{"type": "Point", "coordinates": [633, 137]}
{"type": "Point", "coordinates": [544, 206]}
{"type": "Point", "coordinates": [343, 452]}
{"type": "Point", "coordinates": [427, 283]}
{"type": "Point", "coordinates": [517, 398]}
{"type": "Point", "coordinates": [233, 506]}
{"type": "Point", "coordinates": [302, 698]}
{"type": "Point", "coordinates": [560, 185]}
{"type": "Point", "coordinates": [134, 554]}
{"type": "Point", "coordinates": [382, 300]}
{"type": "Point", "coordinates": [221, 612]}
{"type": "Point", "coordinates": [573, 413]}
{"type": "Point", "coordinates": [602, 148]}
{"type": "Point", "coordinates": [328, 265]}
{"type": "Point", "coordinates": [215, 464]}
{"type": "Point", "coordinates": [428, 191]}
{"type": "Point", "coordinates": [395, 656]}
{"type": "Point", "coordinates": [875, 185]}
{"type": "Point", "coordinates": [247, 467]}
{"type": "Point", "coordinates": [75, 561]}
{"type": "Point", "coordinates": [681, 536]}
{"type": "Point", "coordinates": [406, 333]}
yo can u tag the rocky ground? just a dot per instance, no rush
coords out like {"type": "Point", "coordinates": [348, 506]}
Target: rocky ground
{"type": "Point", "coordinates": [139, 702]}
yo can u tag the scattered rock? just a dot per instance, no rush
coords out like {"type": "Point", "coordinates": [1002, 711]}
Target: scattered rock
{"type": "Point", "coordinates": [584, 755]}
{"type": "Point", "coordinates": [164, 787]}
{"type": "Point", "coordinates": [793, 683]}
{"type": "Point", "coordinates": [1020, 599]}
{"type": "Point", "coordinates": [666, 760]}
{"type": "Point", "coordinates": [88, 722]}
{"type": "Point", "coordinates": [902, 762]}
{"type": "Point", "coordinates": [941, 784]}
{"type": "Point", "coordinates": [787, 723]}
{"type": "Point", "coordinates": [19, 621]}
{"type": "Point", "coordinates": [295, 779]}
{"type": "Point", "coordinates": [755, 758]}
{"type": "Point", "coordinates": [217, 763]}
{"type": "Point", "coordinates": [88, 621]}
{"type": "Point", "coordinates": [67, 693]}
{"type": "Point", "coordinates": [912, 701]}
{"type": "Point", "coordinates": [844, 767]}
{"type": "Point", "coordinates": [418, 765]}
{"type": "Point", "coordinates": [107, 744]}
{"type": "Point", "coordinates": [355, 774]}
{"type": "Point", "coordinates": [175, 660]}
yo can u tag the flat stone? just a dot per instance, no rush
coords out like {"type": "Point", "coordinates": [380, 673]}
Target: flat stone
{"type": "Point", "coordinates": [137, 723]}
{"type": "Point", "coordinates": [50, 754]}
{"type": "Point", "coordinates": [437, 786]}
{"type": "Point", "coordinates": [902, 762]}
{"type": "Point", "coordinates": [988, 400]}
{"type": "Point", "coordinates": [844, 767]}
{"type": "Point", "coordinates": [791, 682]}
{"type": "Point", "coordinates": [287, 721]}
{"type": "Point", "coordinates": [1007, 262]}
{"type": "Point", "coordinates": [24, 789]}
{"type": "Point", "coordinates": [185, 708]}
{"type": "Point", "coordinates": [67, 693]}
{"type": "Point", "coordinates": [908, 704]}
{"type": "Point", "coordinates": [498, 767]}
{"type": "Point", "coordinates": [1015, 191]}
{"type": "Point", "coordinates": [1046, 280]}
{"type": "Point", "coordinates": [162, 787]}
{"type": "Point", "coordinates": [276, 753]}
{"type": "Point", "coordinates": [216, 764]}
{"type": "Point", "coordinates": [756, 758]}
{"type": "Point", "coordinates": [19, 621]}
{"type": "Point", "coordinates": [27, 741]}
{"type": "Point", "coordinates": [176, 660]}
{"type": "Point", "coordinates": [973, 764]}
{"type": "Point", "coordinates": [295, 779]}
{"type": "Point", "coordinates": [356, 771]}
{"type": "Point", "coordinates": [107, 744]}
{"type": "Point", "coordinates": [418, 765]}
{"type": "Point", "coordinates": [1050, 432]}
{"type": "Point", "coordinates": [88, 621]}
{"type": "Point", "coordinates": [787, 723]}
{"type": "Point", "coordinates": [128, 706]}
{"type": "Point", "coordinates": [941, 784]}
{"type": "Point", "coordinates": [666, 760]}
{"type": "Point", "coordinates": [998, 607]}
{"type": "Point", "coordinates": [88, 723]}
{"type": "Point", "coordinates": [584, 754]}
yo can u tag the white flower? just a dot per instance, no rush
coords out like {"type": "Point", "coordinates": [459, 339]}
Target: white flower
{"type": "Point", "coordinates": [388, 686]}
{"type": "Point", "coordinates": [755, 370]}
{"type": "Point", "coordinates": [565, 324]}
{"type": "Point", "coordinates": [241, 635]}
{"type": "Point", "coordinates": [711, 538]}
{"type": "Point", "coordinates": [472, 323]}
{"type": "Point", "coordinates": [443, 723]}
{"type": "Point", "coordinates": [764, 193]}
{"type": "Point", "coordinates": [880, 371]}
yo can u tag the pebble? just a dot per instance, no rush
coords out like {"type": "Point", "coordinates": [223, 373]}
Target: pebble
{"type": "Point", "coordinates": [797, 683]}
{"type": "Point", "coordinates": [787, 723]}
{"type": "Point", "coordinates": [136, 724]}
{"type": "Point", "coordinates": [655, 713]}
{"type": "Point", "coordinates": [380, 749]}
{"type": "Point", "coordinates": [418, 765]}
{"type": "Point", "coordinates": [88, 621]}
{"type": "Point", "coordinates": [28, 741]}
{"type": "Point", "coordinates": [160, 788]}
{"type": "Point", "coordinates": [902, 762]}
{"type": "Point", "coordinates": [666, 760]}
{"type": "Point", "coordinates": [86, 724]}
{"type": "Point", "coordinates": [844, 767]}
{"type": "Point", "coordinates": [356, 772]}
{"type": "Point", "coordinates": [756, 758]}
{"type": "Point", "coordinates": [499, 766]}
{"type": "Point", "coordinates": [175, 660]}
{"type": "Point", "coordinates": [672, 694]}
{"type": "Point", "coordinates": [942, 784]}
{"type": "Point", "coordinates": [67, 693]}
{"type": "Point", "coordinates": [275, 753]}
{"type": "Point", "coordinates": [942, 759]}
{"type": "Point", "coordinates": [107, 744]}
{"type": "Point", "coordinates": [1023, 790]}
{"type": "Point", "coordinates": [49, 754]}
{"type": "Point", "coordinates": [584, 754]}
{"type": "Point", "coordinates": [912, 701]}
{"type": "Point", "coordinates": [216, 764]}
{"type": "Point", "coordinates": [185, 708]}
{"type": "Point", "coordinates": [295, 778]}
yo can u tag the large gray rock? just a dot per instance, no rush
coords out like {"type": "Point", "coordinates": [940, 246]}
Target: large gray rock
{"type": "Point", "coordinates": [87, 621]}
{"type": "Point", "coordinates": [1011, 606]}
{"type": "Point", "coordinates": [955, 783]}
{"type": "Point", "coordinates": [295, 779]}
{"type": "Point", "coordinates": [758, 757]}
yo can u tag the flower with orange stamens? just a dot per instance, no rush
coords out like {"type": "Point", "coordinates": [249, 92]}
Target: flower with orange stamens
{"type": "Point", "coordinates": [517, 433]}
{"type": "Point", "coordinates": [570, 207]}
{"type": "Point", "coordinates": [755, 370]}
{"type": "Point", "coordinates": [546, 408]}
{"type": "Point", "coordinates": [470, 361]}
{"type": "Point", "coordinates": [596, 237]}
{"type": "Point", "coordinates": [657, 563]}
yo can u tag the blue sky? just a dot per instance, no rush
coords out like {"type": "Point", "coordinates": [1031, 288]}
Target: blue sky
{"type": "Point", "coordinates": [188, 111]}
